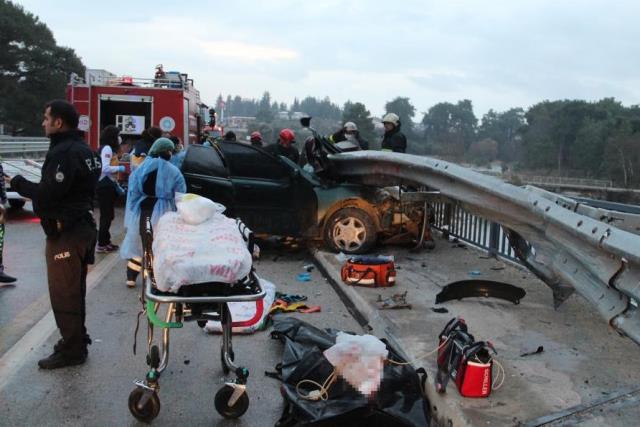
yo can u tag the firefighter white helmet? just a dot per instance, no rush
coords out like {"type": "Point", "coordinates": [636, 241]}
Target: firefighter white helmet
{"type": "Point", "coordinates": [391, 118]}
{"type": "Point", "coordinates": [350, 126]}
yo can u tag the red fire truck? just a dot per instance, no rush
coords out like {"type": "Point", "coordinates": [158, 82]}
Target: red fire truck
{"type": "Point", "coordinates": [168, 101]}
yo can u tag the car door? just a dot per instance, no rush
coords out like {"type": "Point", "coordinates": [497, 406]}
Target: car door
{"type": "Point", "coordinates": [263, 189]}
{"type": "Point", "coordinates": [206, 174]}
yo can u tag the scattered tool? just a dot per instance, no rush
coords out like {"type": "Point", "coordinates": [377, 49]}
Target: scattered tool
{"type": "Point", "coordinates": [393, 302]}
{"type": "Point", "coordinates": [539, 350]}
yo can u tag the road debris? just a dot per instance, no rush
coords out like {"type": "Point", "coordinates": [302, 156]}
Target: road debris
{"type": "Point", "coordinates": [480, 288]}
{"type": "Point", "coordinates": [395, 301]}
{"type": "Point", "coordinates": [539, 350]}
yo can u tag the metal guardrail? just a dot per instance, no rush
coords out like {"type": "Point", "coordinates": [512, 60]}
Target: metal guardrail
{"type": "Point", "coordinates": [23, 145]}
{"type": "Point", "coordinates": [588, 250]}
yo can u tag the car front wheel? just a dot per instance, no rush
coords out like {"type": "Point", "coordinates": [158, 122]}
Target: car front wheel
{"type": "Point", "coordinates": [350, 230]}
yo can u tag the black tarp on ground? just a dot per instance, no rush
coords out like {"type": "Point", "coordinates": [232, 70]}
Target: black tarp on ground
{"type": "Point", "coordinates": [399, 401]}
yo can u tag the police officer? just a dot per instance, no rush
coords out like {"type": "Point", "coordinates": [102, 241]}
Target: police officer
{"type": "Point", "coordinates": [64, 202]}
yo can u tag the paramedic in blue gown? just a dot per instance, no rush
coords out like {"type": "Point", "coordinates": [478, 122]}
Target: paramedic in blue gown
{"type": "Point", "coordinates": [153, 185]}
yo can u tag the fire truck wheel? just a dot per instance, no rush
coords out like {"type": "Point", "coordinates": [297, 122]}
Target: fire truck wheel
{"type": "Point", "coordinates": [350, 231]}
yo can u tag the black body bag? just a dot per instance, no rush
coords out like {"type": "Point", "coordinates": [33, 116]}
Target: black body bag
{"type": "Point", "coordinates": [399, 402]}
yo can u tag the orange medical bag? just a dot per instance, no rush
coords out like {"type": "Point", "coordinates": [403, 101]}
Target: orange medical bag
{"type": "Point", "coordinates": [368, 271]}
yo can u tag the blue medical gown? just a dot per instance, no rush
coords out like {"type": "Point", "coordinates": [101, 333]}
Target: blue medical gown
{"type": "Point", "coordinates": [178, 158]}
{"type": "Point", "coordinates": [169, 180]}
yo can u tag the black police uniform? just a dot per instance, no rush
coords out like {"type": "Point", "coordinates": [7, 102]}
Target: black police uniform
{"type": "Point", "coordinates": [64, 202]}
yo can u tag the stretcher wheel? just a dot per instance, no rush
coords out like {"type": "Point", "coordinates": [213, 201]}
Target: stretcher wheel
{"type": "Point", "coordinates": [222, 399]}
{"type": "Point", "coordinates": [153, 358]}
{"type": "Point", "coordinates": [150, 410]}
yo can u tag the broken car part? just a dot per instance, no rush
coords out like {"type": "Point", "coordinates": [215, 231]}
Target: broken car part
{"type": "Point", "coordinates": [480, 288]}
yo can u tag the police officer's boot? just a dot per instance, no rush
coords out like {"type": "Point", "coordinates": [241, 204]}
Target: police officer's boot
{"type": "Point", "coordinates": [5, 278]}
{"type": "Point", "coordinates": [62, 357]}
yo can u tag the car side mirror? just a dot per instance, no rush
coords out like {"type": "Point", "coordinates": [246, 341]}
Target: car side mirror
{"type": "Point", "coordinates": [305, 122]}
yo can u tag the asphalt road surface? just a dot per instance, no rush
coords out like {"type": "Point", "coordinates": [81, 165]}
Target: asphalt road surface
{"type": "Point", "coordinates": [96, 393]}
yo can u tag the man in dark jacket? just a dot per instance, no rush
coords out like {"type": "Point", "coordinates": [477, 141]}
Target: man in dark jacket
{"type": "Point", "coordinates": [64, 202]}
{"type": "Point", "coordinates": [284, 146]}
{"type": "Point", "coordinates": [393, 139]}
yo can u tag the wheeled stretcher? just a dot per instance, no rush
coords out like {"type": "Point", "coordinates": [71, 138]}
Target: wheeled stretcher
{"type": "Point", "coordinates": [197, 302]}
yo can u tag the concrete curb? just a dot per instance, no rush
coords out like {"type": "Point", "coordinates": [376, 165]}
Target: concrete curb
{"type": "Point", "coordinates": [444, 412]}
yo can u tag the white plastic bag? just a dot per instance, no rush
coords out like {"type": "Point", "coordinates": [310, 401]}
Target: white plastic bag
{"type": "Point", "coordinates": [359, 360]}
{"type": "Point", "coordinates": [196, 209]}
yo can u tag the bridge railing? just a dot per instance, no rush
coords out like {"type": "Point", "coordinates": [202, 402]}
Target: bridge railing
{"type": "Point", "coordinates": [452, 220]}
{"type": "Point", "coordinates": [13, 146]}
{"type": "Point", "coordinates": [559, 180]}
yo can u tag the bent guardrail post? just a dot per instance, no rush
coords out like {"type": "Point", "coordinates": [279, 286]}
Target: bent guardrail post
{"type": "Point", "coordinates": [567, 250]}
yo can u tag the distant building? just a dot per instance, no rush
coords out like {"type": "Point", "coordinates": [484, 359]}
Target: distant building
{"type": "Point", "coordinates": [283, 115]}
{"type": "Point", "coordinates": [297, 115]}
{"type": "Point", "coordinates": [239, 123]}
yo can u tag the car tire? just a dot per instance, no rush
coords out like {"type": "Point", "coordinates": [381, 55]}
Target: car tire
{"type": "Point", "coordinates": [350, 231]}
{"type": "Point", "coordinates": [16, 203]}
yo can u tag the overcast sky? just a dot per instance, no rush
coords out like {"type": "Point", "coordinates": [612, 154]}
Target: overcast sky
{"type": "Point", "coordinates": [499, 54]}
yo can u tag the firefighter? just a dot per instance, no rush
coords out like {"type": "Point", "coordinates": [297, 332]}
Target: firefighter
{"type": "Point", "coordinates": [152, 186]}
{"type": "Point", "coordinates": [256, 139]}
{"type": "Point", "coordinates": [284, 147]}
{"type": "Point", "coordinates": [349, 132]}
{"type": "Point", "coordinates": [394, 139]}
{"type": "Point", "coordinates": [64, 201]}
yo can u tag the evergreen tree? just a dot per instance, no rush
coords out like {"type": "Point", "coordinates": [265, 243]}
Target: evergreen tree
{"type": "Point", "coordinates": [33, 68]}
{"type": "Point", "coordinates": [358, 114]}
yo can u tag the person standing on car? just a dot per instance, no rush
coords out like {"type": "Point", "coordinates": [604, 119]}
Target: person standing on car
{"type": "Point", "coordinates": [152, 186]}
{"type": "Point", "coordinates": [4, 277]}
{"type": "Point", "coordinates": [349, 132]}
{"type": "Point", "coordinates": [64, 202]}
{"type": "Point", "coordinates": [393, 140]}
{"type": "Point", "coordinates": [108, 189]}
{"type": "Point", "coordinates": [256, 139]}
{"type": "Point", "coordinates": [284, 147]}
